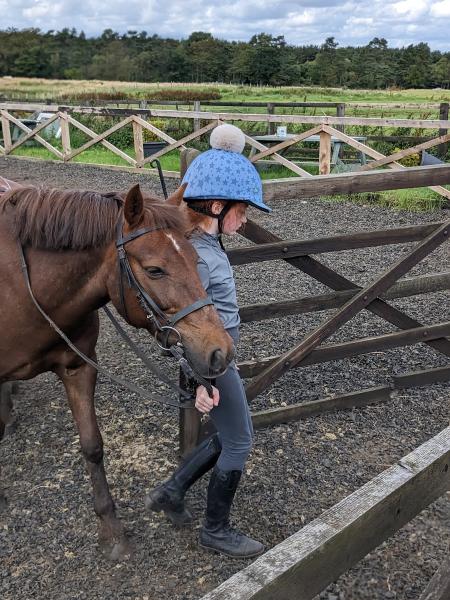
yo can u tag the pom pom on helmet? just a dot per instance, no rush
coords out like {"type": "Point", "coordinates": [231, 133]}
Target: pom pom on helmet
{"type": "Point", "coordinates": [227, 137]}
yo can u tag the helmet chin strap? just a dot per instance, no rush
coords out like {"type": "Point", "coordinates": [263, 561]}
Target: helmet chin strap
{"type": "Point", "coordinates": [220, 217]}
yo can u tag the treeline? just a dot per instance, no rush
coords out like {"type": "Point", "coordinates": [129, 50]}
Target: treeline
{"type": "Point", "coordinates": [264, 60]}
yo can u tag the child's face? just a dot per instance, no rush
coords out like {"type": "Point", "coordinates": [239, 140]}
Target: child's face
{"type": "Point", "coordinates": [235, 218]}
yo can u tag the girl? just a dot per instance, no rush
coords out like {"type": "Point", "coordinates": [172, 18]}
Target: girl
{"type": "Point", "coordinates": [221, 183]}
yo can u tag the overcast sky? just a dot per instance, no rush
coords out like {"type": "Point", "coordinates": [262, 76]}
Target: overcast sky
{"type": "Point", "coordinates": [351, 22]}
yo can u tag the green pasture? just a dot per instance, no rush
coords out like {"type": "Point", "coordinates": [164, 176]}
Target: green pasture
{"type": "Point", "coordinates": [63, 90]}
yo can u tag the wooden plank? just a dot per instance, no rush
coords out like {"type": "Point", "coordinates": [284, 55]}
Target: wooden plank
{"type": "Point", "coordinates": [324, 153]}
{"type": "Point", "coordinates": [256, 117]}
{"type": "Point", "coordinates": [443, 115]}
{"type": "Point", "coordinates": [100, 139]}
{"type": "Point", "coordinates": [305, 563]}
{"type": "Point", "coordinates": [6, 132]}
{"type": "Point", "coordinates": [329, 352]}
{"type": "Point", "coordinates": [138, 141]}
{"type": "Point", "coordinates": [322, 273]}
{"type": "Point", "coordinates": [161, 134]}
{"type": "Point", "coordinates": [280, 159]}
{"type": "Point", "coordinates": [323, 119]}
{"type": "Point", "coordinates": [196, 121]}
{"type": "Point", "coordinates": [355, 182]}
{"type": "Point", "coordinates": [181, 143]}
{"type": "Point", "coordinates": [413, 286]}
{"type": "Point", "coordinates": [349, 310]}
{"type": "Point", "coordinates": [33, 133]}
{"type": "Point", "coordinates": [294, 412]}
{"type": "Point", "coordinates": [371, 152]}
{"type": "Point", "coordinates": [65, 134]}
{"type": "Point", "coordinates": [425, 377]}
{"type": "Point", "coordinates": [438, 587]}
{"type": "Point", "coordinates": [286, 143]}
{"type": "Point", "coordinates": [404, 153]}
{"type": "Point", "coordinates": [363, 239]}
{"type": "Point", "coordinates": [186, 157]}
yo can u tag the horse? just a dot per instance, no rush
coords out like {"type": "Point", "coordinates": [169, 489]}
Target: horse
{"type": "Point", "coordinates": [72, 244]}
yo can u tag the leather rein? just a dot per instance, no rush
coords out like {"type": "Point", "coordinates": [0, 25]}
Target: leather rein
{"type": "Point", "coordinates": [153, 313]}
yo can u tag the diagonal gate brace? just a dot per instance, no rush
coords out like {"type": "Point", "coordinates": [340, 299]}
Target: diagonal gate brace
{"type": "Point", "coordinates": [360, 301]}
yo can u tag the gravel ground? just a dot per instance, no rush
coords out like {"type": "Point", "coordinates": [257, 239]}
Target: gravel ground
{"type": "Point", "coordinates": [48, 538]}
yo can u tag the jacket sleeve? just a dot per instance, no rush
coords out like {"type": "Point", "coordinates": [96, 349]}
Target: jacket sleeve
{"type": "Point", "coordinates": [203, 271]}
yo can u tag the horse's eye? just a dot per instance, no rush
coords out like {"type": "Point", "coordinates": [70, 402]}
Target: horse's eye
{"type": "Point", "coordinates": [155, 272]}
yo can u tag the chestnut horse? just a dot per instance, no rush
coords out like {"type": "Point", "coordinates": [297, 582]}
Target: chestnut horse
{"type": "Point", "coordinates": [69, 241]}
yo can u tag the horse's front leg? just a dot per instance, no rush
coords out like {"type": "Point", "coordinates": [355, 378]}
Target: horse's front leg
{"type": "Point", "coordinates": [6, 407]}
{"type": "Point", "coordinates": [80, 386]}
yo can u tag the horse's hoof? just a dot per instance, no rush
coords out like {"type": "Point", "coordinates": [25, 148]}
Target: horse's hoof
{"type": "Point", "coordinates": [117, 551]}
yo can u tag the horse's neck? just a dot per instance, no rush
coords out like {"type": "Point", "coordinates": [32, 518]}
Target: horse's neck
{"type": "Point", "coordinates": [70, 278]}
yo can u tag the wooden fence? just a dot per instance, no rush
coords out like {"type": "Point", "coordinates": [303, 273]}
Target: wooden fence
{"type": "Point", "coordinates": [304, 564]}
{"type": "Point", "coordinates": [327, 127]}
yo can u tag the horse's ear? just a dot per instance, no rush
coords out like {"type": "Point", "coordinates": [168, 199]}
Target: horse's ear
{"type": "Point", "coordinates": [176, 198]}
{"type": "Point", "coordinates": [133, 209]}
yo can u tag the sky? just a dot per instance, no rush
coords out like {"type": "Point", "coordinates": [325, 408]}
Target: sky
{"type": "Point", "coordinates": [351, 22]}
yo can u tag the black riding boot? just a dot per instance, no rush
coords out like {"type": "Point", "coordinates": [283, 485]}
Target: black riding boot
{"type": "Point", "coordinates": [169, 496]}
{"type": "Point", "coordinates": [216, 533]}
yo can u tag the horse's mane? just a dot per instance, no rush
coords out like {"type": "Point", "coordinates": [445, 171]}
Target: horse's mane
{"type": "Point", "coordinates": [52, 219]}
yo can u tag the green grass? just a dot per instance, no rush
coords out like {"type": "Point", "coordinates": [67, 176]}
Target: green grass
{"type": "Point", "coordinates": [414, 199]}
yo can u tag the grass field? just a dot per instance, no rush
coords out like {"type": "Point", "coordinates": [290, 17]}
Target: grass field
{"type": "Point", "coordinates": [29, 88]}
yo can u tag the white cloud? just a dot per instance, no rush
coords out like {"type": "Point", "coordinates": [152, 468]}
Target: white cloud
{"type": "Point", "coordinates": [441, 9]}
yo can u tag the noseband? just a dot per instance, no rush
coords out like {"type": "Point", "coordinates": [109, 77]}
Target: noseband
{"type": "Point", "coordinates": [163, 324]}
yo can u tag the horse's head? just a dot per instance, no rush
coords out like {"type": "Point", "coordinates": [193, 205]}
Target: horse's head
{"type": "Point", "coordinates": [153, 262]}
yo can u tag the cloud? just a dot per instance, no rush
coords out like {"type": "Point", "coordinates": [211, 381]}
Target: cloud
{"type": "Point", "coordinates": [351, 22]}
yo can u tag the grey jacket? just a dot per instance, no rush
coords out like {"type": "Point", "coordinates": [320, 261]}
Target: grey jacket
{"type": "Point", "coordinates": [217, 278]}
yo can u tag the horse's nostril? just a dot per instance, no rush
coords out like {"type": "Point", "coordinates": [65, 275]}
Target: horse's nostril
{"type": "Point", "coordinates": [217, 361]}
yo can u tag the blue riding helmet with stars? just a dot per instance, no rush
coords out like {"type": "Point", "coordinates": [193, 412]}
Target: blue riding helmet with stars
{"type": "Point", "coordinates": [223, 173]}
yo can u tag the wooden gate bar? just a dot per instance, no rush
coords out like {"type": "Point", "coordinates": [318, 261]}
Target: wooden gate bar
{"type": "Point", "coordinates": [353, 348]}
{"type": "Point", "coordinates": [438, 587]}
{"type": "Point", "coordinates": [425, 377]}
{"type": "Point", "coordinates": [350, 309]}
{"type": "Point", "coordinates": [304, 564]}
{"type": "Point", "coordinates": [356, 182]}
{"type": "Point", "coordinates": [327, 276]}
{"type": "Point", "coordinates": [351, 241]}
{"type": "Point", "coordinates": [413, 286]}
{"type": "Point", "coordinates": [294, 412]}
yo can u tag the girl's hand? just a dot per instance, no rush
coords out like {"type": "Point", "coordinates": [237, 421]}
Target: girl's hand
{"type": "Point", "coordinates": [203, 402]}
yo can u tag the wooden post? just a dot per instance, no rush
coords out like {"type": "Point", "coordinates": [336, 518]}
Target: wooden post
{"type": "Point", "coordinates": [196, 120]}
{"type": "Point", "coordinates": [340, 112]}
{"type": "Point", "coordinates": [6, 131]}
{"type": "Point", "coordinates": [65, 135]}
{"type": "Point", "coordinates": [443, 116]}
{"type": "Point", "coordinates": [189, 421]}
{"type": "Point", "coordinates": [138, 143]}
{"type": "Point", "coordinates": [186, 157]}
{"type": "Point", "coordinates": [324, 153]}
{"type": "Point", "coordinates": [270, 126]}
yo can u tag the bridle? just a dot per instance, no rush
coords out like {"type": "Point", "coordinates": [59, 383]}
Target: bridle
{"type": "Point", "coordinates": [153, 313]}
{"type": "Point", "coordinates": [163, 324]}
